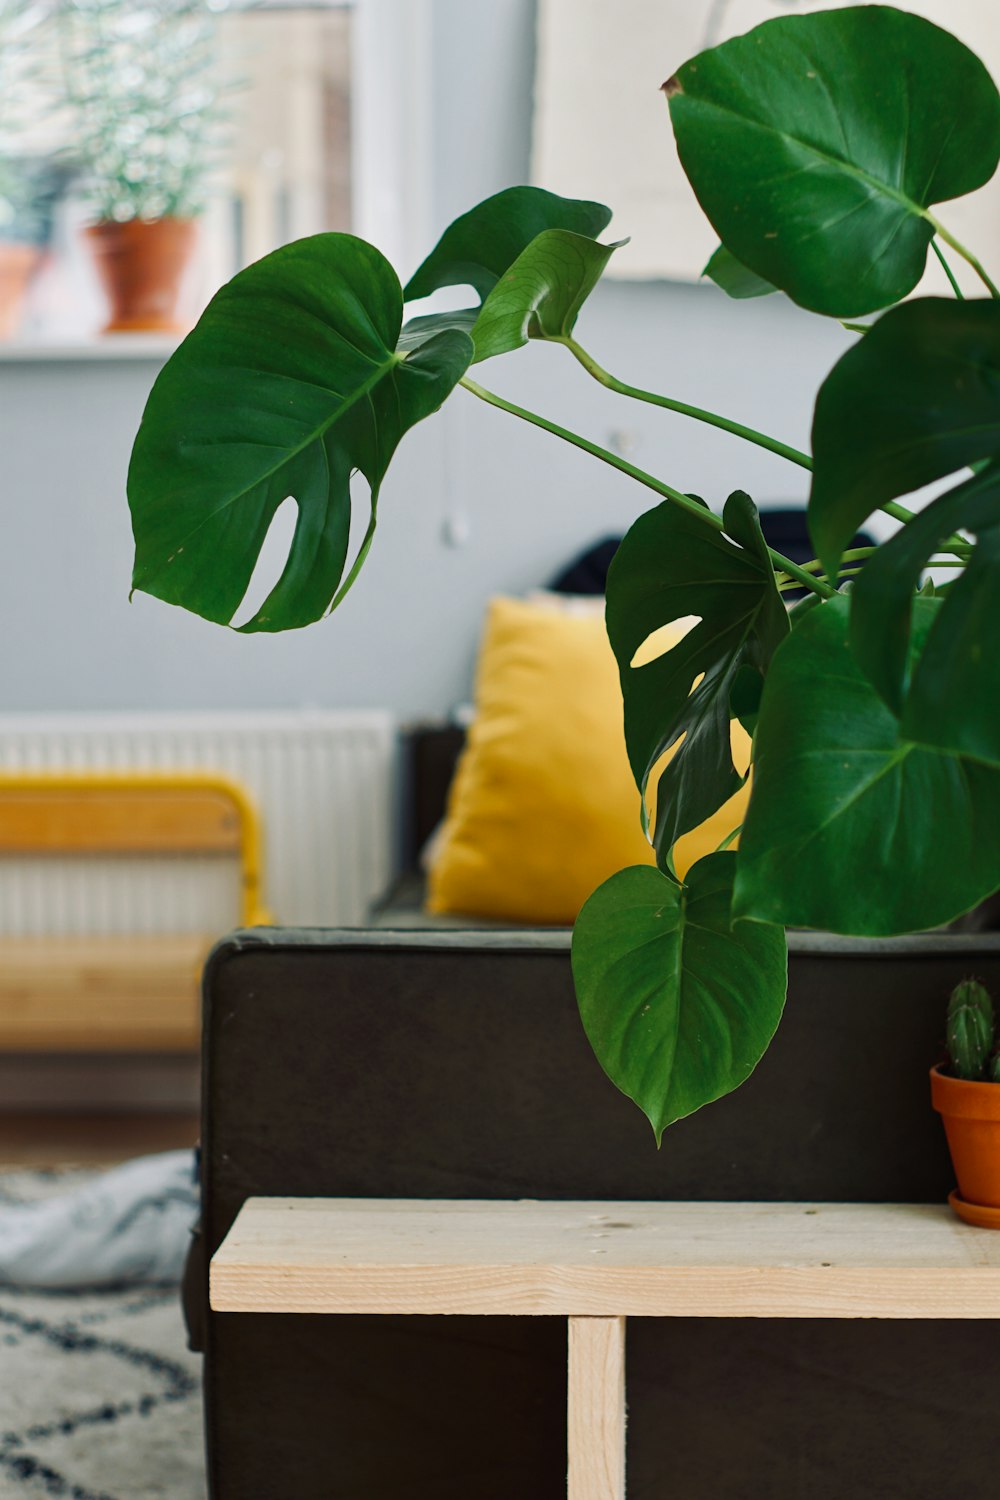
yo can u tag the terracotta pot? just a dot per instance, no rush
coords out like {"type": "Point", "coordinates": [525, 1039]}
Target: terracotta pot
{"type": "Point", "coordinates": [141, 263]}
{"type": "Point", "coordinates": [17, 262]}
{"type": "Point", "coordinates": [970, 1113]}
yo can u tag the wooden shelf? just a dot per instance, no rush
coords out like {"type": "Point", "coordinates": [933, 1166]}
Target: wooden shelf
{"type": "Point", "coordinates": [598, 1263]}
{"type": "Point", "coordinates": [767, 1260]}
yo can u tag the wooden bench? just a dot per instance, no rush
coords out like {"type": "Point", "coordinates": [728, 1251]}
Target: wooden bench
{"type": "Point", "coordinates": [118, 991]}
{"type": "Point", "coordinates": [596, 1264]}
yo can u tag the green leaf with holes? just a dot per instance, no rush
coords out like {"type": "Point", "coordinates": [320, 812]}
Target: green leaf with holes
{"type": "Point", "coordinates": [915, 400]}
{"type": "Point", "coordinates": [290, 381]}
{"type": "Point", "coordinates": [853, 827]}
{"type": "Point", "coordinates": [672, 565]}
{"type": "Point", "coordinates": [817, 145]}
{"type": "Point", "coordinates": [678, 1003]}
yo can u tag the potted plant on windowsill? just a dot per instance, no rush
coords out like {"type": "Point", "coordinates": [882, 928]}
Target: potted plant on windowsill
{"type": "Point", "coordinates": [965, 1093]}
{"type": "Point", "coordinates": [29, 180]}
{"type": "Point", "coordinates": [873, 708]}
{"type": "Point", "coordinates": [143, 82]}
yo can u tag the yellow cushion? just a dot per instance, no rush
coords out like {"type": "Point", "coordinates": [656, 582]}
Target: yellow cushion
{"type": "Point", "coordinates": [543, 807]}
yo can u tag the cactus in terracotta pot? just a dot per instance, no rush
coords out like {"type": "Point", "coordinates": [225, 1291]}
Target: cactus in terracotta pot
{"type": "Point", "coordinates": [970, 1031]}
{"type": "Point", "coordinates": [962, 1092]}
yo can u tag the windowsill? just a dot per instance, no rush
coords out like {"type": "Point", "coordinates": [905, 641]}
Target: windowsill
{"type": "Point", "coordinates": [113, 346]}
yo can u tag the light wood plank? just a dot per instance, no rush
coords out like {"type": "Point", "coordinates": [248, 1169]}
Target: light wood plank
{"type": "Point", "coordinates": [118, 820]}
{"type": "Point", "coordinates": [606, 1259]}
{"type": "Point", "coordinates": [101, 994]}
{"type": "Point", "coordinates": [595, 1409]}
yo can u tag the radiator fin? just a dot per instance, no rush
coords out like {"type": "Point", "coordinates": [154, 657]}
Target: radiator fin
{"type": "Point", "coordinates": [322, 782]}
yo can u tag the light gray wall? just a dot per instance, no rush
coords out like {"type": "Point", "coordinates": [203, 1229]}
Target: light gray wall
{"type": "Point", "coordinates": [524, 502]}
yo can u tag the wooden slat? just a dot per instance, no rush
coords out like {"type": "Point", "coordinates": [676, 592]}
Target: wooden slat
{"type": "Point", "coordinates": [120, 820]}
{"type": "Point", "coordinates": [606, 1259]}
{"type": "Point", "coordinates": [121, 994]}
{"type": "Point", "coordinates": [595, 1409]}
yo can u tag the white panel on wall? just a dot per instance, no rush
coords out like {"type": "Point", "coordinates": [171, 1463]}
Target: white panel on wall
{"type": "Point", "coordinates": [602, 128]}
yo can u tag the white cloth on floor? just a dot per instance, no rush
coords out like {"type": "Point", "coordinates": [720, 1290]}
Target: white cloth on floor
{"type": "Point", "coordinates": [130, 1225]}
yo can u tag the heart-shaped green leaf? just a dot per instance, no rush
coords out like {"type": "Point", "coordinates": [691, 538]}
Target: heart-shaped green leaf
{"type": "Point", "coordinates": [678, 1003]}
{"type": "Point", "coordinates": [817, 144]}
{"type": "Point", "coordinates": [735, 279]}
{"type": "Point", "coordinates": [954, 698]}
{"type": "Point", "coordinates": [541, 293]}
{"type": "Point", "coordinates": [480, 245]}
{"type": "Point", "coordinates": [914, 400]}
{"type": "Point", "coordinates": [851, 826]}
{"type": "Point", "coordinates": [882, 602]}
{"type": "Point", "coordinates": [672, 565]}
{"type": "Point", "coordinates": [289, 382]}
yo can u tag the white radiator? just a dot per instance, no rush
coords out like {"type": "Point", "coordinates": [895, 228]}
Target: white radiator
{"type": "Point", "coordinates": [322, 782]}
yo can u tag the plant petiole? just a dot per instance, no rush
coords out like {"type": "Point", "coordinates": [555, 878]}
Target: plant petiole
{"type": "Point", "coordinates": [750, 434]}
{"type": "Point", "coordinates": [947, 270]}
{"type": "Point", "coordinates": [713, 419]}
{"type": "Point", "coordinates": [693, 507]}
{"type": "Point", "coordinates": [966, 255]}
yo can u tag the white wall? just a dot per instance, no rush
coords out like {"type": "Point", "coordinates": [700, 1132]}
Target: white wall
{"type": "Point", "coordinates": [406, 636]}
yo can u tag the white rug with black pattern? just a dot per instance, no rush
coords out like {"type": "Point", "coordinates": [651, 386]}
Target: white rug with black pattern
{"type": "Point", "coordinates": [99, 1397]}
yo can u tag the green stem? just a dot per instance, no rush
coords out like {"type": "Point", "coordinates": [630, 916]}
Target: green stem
{"type": "Point", "coordinates": [815, 566]}
{"type": "Point", "coordinates": [773, 445]}
{"type": "Point", "coordinates": [966, 255]}
{"type": "Point", "coordinates": [856, 327]}
{"type": "Point", "coordinates": [708, 517]}
{"type": "Point", "coordinates": [947, 270]}
{"type": "Point", "coordinates": [729, 839]}
{"type": "Point", "coordinates": [954, 544]}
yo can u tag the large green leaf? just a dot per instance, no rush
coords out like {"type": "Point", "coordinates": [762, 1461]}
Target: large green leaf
{"type": "Point", "coordinates": [289, 382]}
{"type": "Point", "coordinates": [914, 400]}
{"type": "Point", "coordinates": [480, 245]}
{"type": "Point", "coordinates": [541, 293]}
{"type": "Point", "coordinates": [678, 1003]}
{"type": "Point", "coordinates": [672, 565]}
{"type": "Point", "coordinates": [852, 827]}
{"type": "Point", "coordinates": [734, 278]}
{"type": "Point", "coordinates": [954, 698]}
{"type": "Point", "coordinates": [816, 145]}
{"type": "Point", "coordinates": [882, 603]}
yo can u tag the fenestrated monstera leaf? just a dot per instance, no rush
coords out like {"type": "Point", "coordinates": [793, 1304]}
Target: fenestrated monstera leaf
{"type": "Point", "coordinates": [882, 603]}
{"type": "Point", "coordinates": [915, 400]}
{"type": "Point", "coordinates": [852, 827]}
{"type": "Point", "coordinates": [479, 246]}
{"type": "Point", "coordinates": [290, 381]}
{"type": "Point", "coordinates": [541, 293]}
{"type": "Point", "coordinates": [817, 145]}
{"type": "Point", "coordinates": [679, 1004]}
{"type": "Point", "coordinates": [734, 278]}
{"type": "Point", "coordinates": [671, 566]}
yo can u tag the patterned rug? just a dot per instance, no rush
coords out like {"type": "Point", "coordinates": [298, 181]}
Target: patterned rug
{"type": "Point", "coordinates": [99, 1397]}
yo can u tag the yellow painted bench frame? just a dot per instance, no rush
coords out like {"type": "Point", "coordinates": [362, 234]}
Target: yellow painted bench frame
{"type": "Point", "coordinates": [122, 991]}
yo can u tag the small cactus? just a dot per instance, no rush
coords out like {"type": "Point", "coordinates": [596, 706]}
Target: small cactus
{"type": "Point", "coordinates": [970, 1033]}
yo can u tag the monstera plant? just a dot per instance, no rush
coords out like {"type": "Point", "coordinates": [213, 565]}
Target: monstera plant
{"type": "Point", "coordinates": [819, 147]}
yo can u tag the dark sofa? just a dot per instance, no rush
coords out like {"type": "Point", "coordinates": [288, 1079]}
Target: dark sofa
{"type": "Point", "coordinates": [452, 1064]}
